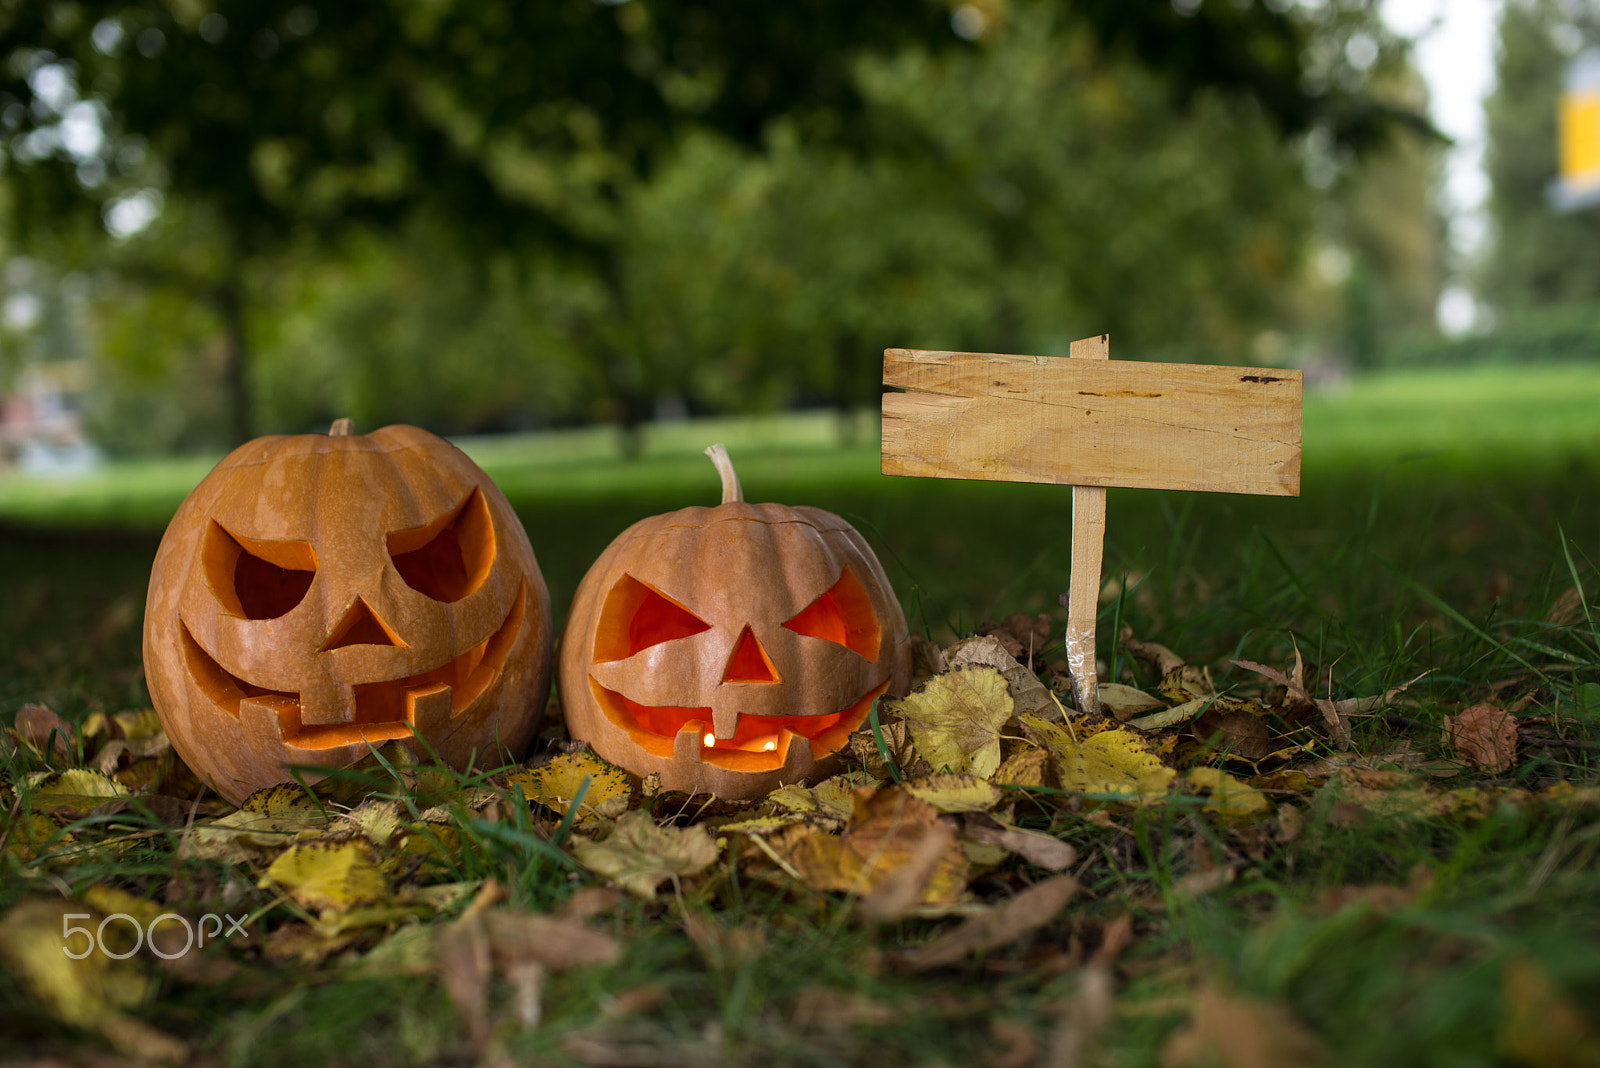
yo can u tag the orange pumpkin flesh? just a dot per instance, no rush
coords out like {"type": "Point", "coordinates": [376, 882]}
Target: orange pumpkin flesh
{"type": "Point", "coordinates": [317, 595]}
{"type": "Point", "coordinates": [731, 649]}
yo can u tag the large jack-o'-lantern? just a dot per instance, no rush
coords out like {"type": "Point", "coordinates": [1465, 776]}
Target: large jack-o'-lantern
{"type": "Point", "coordinates": [318, 595]}
{"type": "Point", "coordinates": [731, 649]}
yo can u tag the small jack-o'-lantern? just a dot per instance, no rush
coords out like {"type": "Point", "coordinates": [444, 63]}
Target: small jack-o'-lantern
{"type": "Point", "coordinates": [317, 595]}
{"type": "Point", "coordinates": [731, 649]}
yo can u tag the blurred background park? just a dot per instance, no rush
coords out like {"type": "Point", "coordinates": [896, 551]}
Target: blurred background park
{"type": "Point", "coordinates": [590, 236]}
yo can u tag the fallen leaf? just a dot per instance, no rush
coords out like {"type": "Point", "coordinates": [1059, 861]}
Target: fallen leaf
{"type": "Point", "coordinates": [1185, 683]}
{"type": "Point", "coordinates": [91, 992]}
{"type": "Point", "coordinates": [888, 831]}
{"type": "Point", "coordinates": [955, 793]}
{"type": "Point", "coordinates": [724, 948]}
{"type": "Point", "coordinates": [557, 942]}
{"type": "Point", "coordinates": [1171, 717]}
{"type": "Point", "coordinates": [1232, 1031]}
{"type": "Point", "coordinates": [896, 734]}
{"type": "Point", "coordinates": [898, 893]}
{"type": "Point", "coordinates": [1044, 850]}
{"type": "Point", "coordinates": [1380, 898]}
{"type": "Point", "coordinates": [1116, 762]}
{"type": "Point", "coordinates": [1126, 702]}
{"type": "Point", "coordinates": [556, 783]}
{"type": "Point", "coordinates": [1226, 795]}
{"type": "Point", "coordinates": [956, 717]}
{"type": "Point", "coordinates": [268, 821]}
{"type": "Point", "coordinates": [75, 793]}
{"type": "Point", "coordinates": [41, 728]}
{"type": "Point", "coordinates": [1542, 1027]}
{"type": "Point", "coordinates": [338, 876]}
{"type": "Point", "coordinates": [1085, 1017]}
{"type": "Point", "coordinates": [1159, 657]}
{"type": "Point", "coordinates": [639, 856]}
{"type": "Point", "coordinates": [1027, 692]}
{"type": "Point", "coordinates": [1030, 910]}
{"type": "Point", "coordinates": [1027, 767]}
{"type": "Point", "coordinates": [1484, 736]}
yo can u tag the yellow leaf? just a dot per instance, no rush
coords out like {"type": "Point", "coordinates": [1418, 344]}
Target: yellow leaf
{"type": "Point", "coordinates": [325, 875]}
{"type": "Point", "coordinates": [1171, 717]}
{"type": "Point", "coordinates": [89, 992]}
{"type": "Point", "coordinates": [76, 792]}
{"type": "Point", "coordinates": [1226, 795]}
{"type": "Point", "coordinates": [761, 825]}
{"type": "Point", "coordinates": [829, 800]}
{"type": "Point", "coordinates": [639, 856]}
{"type": "Point", "coordinates": [268, 821]}
{"type": "Point", "coordinates": [956, 717]}
{"type": "Point", "coordinates": [1024, 768]}
{"type": "Point", "coordinates": [1115, 762]}
{"type": "Point", "coordinates": [555, 784]}
{"type": "Point", "coordinates": [955, 793]}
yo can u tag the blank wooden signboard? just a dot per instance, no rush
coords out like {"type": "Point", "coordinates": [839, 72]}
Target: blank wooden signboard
{"type": "Point", "coordinates": [1089, 422]}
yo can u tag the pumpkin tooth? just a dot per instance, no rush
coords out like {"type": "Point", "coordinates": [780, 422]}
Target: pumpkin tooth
{"type": "Point", "coordinates": [689, 740]}
{"type": "Point", "coordinates": [428, 709]}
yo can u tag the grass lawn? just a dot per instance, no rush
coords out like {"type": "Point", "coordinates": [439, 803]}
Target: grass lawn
{"type": "Point", "coordinates": [1393, 903]}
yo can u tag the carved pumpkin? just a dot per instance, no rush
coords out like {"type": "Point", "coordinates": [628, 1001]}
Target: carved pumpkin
{"type": "Point", "coordinates": [317, 595]}
{"type": "Point", "coordinates": [730, 649]}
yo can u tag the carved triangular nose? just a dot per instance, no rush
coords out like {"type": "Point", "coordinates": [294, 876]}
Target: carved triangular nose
{"type": "Point", "coordinates": [749, 662]}
{"type": "Point", "coordinates": [360, 626]}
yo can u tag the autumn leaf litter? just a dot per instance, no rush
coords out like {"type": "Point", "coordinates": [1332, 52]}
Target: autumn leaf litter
{"type": "Point", "coordinates": [963, 800]}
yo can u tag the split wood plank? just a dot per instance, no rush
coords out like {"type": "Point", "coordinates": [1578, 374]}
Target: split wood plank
{"type": "Point", "coordinates": [1091, 422]}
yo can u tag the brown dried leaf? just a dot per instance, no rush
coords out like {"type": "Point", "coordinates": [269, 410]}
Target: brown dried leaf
{"type": "Point", "coordinates": [900, 891]}
{"type": "Point", "coordinates": [1029, 694]}
{"type": "Point", "coordinates": [884, 836]}
{"type": "Point", "coordinates": [1044, 850]}
{"type": "Point", "coordinates": [1159, 657]}
{"type": "Point", "coordinates": [722, 947]}
{"type": "Point", "coordinates": [1027, 912]}
{"type": "Point", "coordinates": [1126, 702]}
{"type": "Point", "coordinates": [39, 727]}
{"type": "Point", "coordinates": [1231, 1031]}
{"type": "Point", "coordinates": [1484, 736]}
{"type": "Point", "coordinates": [556, 942]}
{"type": "Point", "coordinates": [1542, 1027]}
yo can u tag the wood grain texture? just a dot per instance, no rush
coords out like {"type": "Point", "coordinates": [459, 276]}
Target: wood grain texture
{"type": "Point", "coordinates": [1088, 551]}
{"type": "Point", "coordinates": [1091, 422]}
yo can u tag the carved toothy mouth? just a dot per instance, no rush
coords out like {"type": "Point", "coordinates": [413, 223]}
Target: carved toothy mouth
{"type": "Point", "coordinates": [759, 743]}
{"type": "Point", "coordinates": [382, 710]}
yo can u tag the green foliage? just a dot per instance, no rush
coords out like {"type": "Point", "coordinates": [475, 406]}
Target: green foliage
{"type": "Point", "coordinates": [1538, 257]}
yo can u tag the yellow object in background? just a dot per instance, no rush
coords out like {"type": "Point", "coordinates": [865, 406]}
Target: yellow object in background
{"type": "Point", "coordinates": [1578, 136]}
{"type": "Point", "coordinates": [1579, 131]}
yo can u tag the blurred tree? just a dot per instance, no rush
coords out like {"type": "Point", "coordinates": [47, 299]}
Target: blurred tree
{"type": "Point", "coordinates": [1536, 255]}
{"type": "Point", "coordinates": [266, 125]}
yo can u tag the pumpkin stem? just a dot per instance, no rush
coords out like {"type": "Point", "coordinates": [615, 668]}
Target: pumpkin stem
{"type": "Point", "coordinates": [342, 428]}
{"type": "Point", "coordinates": [732, 493]}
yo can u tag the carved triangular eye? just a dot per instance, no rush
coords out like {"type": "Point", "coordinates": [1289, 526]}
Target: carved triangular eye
{"type": "Point", "coordinates": [843, 615]}
{"type": "Point", "coordinates": [450, 557]}
{"type": "Point", "coordinates": [257, 578]}
{"type": "Point", "coordinates": [637, 616]}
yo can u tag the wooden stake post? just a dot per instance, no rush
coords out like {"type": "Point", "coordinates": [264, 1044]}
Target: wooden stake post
{"type": "Point", "coordinates": [1090, 422]}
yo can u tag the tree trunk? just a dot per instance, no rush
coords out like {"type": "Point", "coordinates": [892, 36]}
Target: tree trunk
{"type": "Point", "coordinates": [229, 301]}
{"type": "Point", "coordinates": [849, 386]}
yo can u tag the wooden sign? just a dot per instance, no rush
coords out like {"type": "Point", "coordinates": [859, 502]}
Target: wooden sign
{"type": "Point", "coordinates": [1090, 423]}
